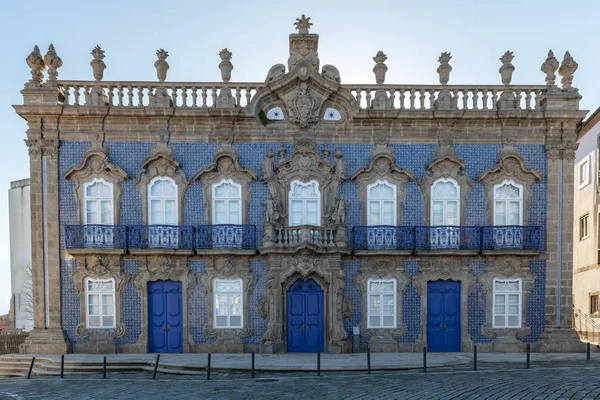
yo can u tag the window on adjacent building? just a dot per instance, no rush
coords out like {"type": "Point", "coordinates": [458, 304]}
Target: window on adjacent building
{"type": "Point", "coordinates": [507, 303]}
{"type": "Point", "coordinates": [445, 197]}
{"type": "Point", "coordinates": [227, 202]}
{"type": "Point", "coordinates": [382, 303]}
{"type": "Point", "coordinates": [98, 198]}
{"type": "Point", "coordinates": [305, 203]}
{"type": "Point", "coordinates": [584, 226]}
{"type": "Point", "coordinates": [228, 303]}
{"type": "Point", "coordinates": [100, 297]}
{"type": "Point", "coordinates": [162, 201]}
{"type": "Point", "coordinates": [584, 172]}
{"type": "Point", "coordinates": [381, 199]}
{"type": "Point", "coordinates": [594, 304]}
{"type": "Point", "coordinates": [508, 204]}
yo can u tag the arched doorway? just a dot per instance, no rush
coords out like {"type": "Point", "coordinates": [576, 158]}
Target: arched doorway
{"type": "Point", "coordinates": [305, 315]}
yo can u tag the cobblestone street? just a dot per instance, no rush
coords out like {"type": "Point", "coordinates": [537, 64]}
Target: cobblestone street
{"type": "Point", "coordinates": [506, 381]}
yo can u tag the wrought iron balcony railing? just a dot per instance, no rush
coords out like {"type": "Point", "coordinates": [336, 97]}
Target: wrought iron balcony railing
{"type": "Point", "coordinates": [96, 236]}
{"type": "Point", "coordinates": [384, 237]}
{"type": "Point", "coordinates": [447, 237]}
{"type": "Point", "coordinates": [160, 237]}
{"type": "Point", "coordinates": [226, 237]}
{"type": "Point", "coordinates": [511, 237]}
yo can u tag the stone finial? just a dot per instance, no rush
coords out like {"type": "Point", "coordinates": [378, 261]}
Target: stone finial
{"type": "Point", "coordinates": [38, 66]}
{"type": "Point", "coordinates": [566, 70]}
{"type": "Point", "coordinates": [444, 68]}
{"type": "Point", "coordinates": [507, 68]}
{"type": "Point", "coordinates": [549, 67]}
{"type": "Point", "coordinates": [53, 62]}
{"type": "Point", "coordinates": [380, 68]}
{"type": "Point", "coordinates": [225, 65]}
{"type": "Point", "coordinates": [303, 24]}
{"type": "Point", "coordinates": [161, 65]}
{"type": "Point", "coordinates": [97, 64]}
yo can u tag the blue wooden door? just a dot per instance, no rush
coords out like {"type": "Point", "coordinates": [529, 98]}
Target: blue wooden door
{"type": "Point", "coordinates": [305, 317]}
{"type": "Point", "coordinates": [165, 322]}
{"type": "Point", "coordinates": [443, 316]}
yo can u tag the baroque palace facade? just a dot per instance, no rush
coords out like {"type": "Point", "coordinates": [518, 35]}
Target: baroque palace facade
{"type": "Point", "coordinates": [294, 214]}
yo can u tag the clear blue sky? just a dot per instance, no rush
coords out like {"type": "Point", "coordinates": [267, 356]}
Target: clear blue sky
{"type": "Point", "coordinates": [412, 34]}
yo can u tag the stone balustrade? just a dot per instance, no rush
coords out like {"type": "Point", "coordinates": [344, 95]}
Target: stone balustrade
{"type": "Point", "coordinates": [293, 236]}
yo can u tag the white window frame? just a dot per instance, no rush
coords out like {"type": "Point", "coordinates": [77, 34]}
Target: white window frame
{"type": "Point", "coordinates": [506, 295]}
{"type": "Point", "coordinates": [506, 201]}
{"type": "Point", "coordinates": [381, 294]}
{"type": "Point", "coordinates": [98, 200]}
{"type": "Point", "coordinates": [304, 200]}
{"type": "Point", "coordinates": [394, 201]}
{"type": "Point", "coordinates": [584, 226]}
{"type": "Point", "coordinates": [445, 201]}
{"type": "Point", "coordinates": [227, 201]}
{"type": "Point", "coordinates": [241, 294]}
{"type": "Point", "coordinates": [585, 166]}
{"type": "Point", "coordinates": [162, 199]}
{"type": "Point", "coordinates": [100, 295]}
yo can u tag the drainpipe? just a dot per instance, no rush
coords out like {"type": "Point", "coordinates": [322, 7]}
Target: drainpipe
{"type": "Point", "coordinates": [559, 257]}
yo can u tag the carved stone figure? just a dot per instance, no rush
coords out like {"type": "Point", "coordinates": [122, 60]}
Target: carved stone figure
{"type": "Point", "coordinates": [268, 173]}
{"type": "Point", "coordinates": [271, 210]}
{"type": "Point", "coordinates": [339, 211]}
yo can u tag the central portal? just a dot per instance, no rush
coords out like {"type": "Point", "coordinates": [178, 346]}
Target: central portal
{"type": "Point", "coordinates": [305, 317]}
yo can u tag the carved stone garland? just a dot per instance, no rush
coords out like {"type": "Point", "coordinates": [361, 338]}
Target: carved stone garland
{"type": "Point", "coordinates": [225, 165]}
{"type": "Point", "coordinates": [96, 165]}
{"type": "Point", "coordinates": [445, 165]}
{"type": "Point", "coordinates": [382, 167]}
{"type": "Point", "coordinates": [99, 267]}
{"type": "Point", "coordinates": [381, 269]}
{"type": "Point", "coordinates": [161, 163]}
{"type": "Point", "coordinates": [510, 166]}
{"type": "Point", "coordinates": [228, 268]}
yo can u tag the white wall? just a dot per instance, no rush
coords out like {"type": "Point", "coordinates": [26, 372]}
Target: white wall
{"type": "Point", "coordinates": [20, 251]}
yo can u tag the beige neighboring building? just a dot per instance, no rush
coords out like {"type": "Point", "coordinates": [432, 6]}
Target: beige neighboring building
{"type": "Point", "coordinates": [586, 248]}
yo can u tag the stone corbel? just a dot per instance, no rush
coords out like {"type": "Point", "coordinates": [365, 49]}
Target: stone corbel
{"type": "Point", "coordinates": [524, 332]}
{"type": "Point", "coordinates": [487, 331]}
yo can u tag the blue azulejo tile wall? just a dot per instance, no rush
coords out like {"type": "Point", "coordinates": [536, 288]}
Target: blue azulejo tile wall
{"type": "Point", "coordinates": [411, 304]}
{"type": "Point", "coordinates": [197, 303]}
{"type": "Point", "coordinates": [351, 268]}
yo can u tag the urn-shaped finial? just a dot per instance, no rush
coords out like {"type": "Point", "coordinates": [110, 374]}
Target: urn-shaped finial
{"type": "Point", "coordinates": [225, 65]}
{"type": "Point", "coordinates": [97, 64]}
{"type": "Point", "coordinates": [53, 62]}
{"type": "Point", "coordinates": [303, 24]}
{"type": "Point", "coordinates": [38, 66]}
{"type": "Point", "coordinates": [380, 68]}
{"type": "Point", "coordinates": [161, 65]}
{"type": "Point", "coordinates": [549, 67]}
{"type": "Point", "coordinates": [506, 70]}
{"type": "Point", "coordinates": [566, 71]}
{"type": "Point", "coordinates": [444, 68]}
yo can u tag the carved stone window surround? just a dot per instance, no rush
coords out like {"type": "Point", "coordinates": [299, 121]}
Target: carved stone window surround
{"type": "Point", "coordinates": [225, 166]}
{"type": "Point", "coordinates": [382, 167]}
{"type": "Point", "coordinates": [228, 268]}
{"type": "Point", "coordinates": [96, 165]}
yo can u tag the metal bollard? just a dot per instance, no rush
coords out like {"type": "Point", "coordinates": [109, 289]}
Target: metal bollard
{"type": "Point", "coordinates": [587, 349]}
{"type": "Point", "coordinates": [253, 365]}
{"type": "Point", "coordinates": [208, 368]}
{"type": "Point", "coordinates": [424, 359]}
{"type": "Point", "coordinates": [104, 369]}
{"type": "Point", "coordinates": [62, 366]}
{"type": "Point", "coordinates": [528, 354]}
{"type": "Point", "coordinates": [319, 363]}
{"type": "Point", "coordinates": [369, 360]}
{"type": "Point", "coordinates": [156, 366]}
{"type": "Point", "coordinates": [30, 367]}
{"type": "Point", "coordinates": [475, 358]}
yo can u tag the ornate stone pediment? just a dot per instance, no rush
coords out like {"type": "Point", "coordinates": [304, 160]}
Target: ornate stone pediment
{"type": "Point", "coordinates": [99, 267]}
{"type": "Point", "coordinates": [305, 267]}
{"type": "Point", "coordinates": [510, 166]}
{"type": "Point", "coordinates": [225, 165]}
{"type": "Point", "coordinates": [161, 268]}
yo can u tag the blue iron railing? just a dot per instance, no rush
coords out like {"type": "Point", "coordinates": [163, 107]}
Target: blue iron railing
{"type": "Point", "coordinates": [226, 237]}
{"type": "Point", "coordinates": [160, 237]}
{"type": "Point", "coordinates": [447, 237]}
{"type": "Point", "coordinates": [383, 237]}
{"type": "Point", "coordinates": [511, 237]}
{"type": "Point", "coordinates": [96, 236]}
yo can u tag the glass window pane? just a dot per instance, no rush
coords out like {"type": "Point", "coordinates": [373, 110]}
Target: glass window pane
{"type": "Point", "coordinates": [375, 305]}
{"type": "Point", "coordinates": [374, 321]}
{"type": "Point", "coordinates": [451, 213]}
{"type": "Point", "coordinates": [513, 304]}
{"type": "Point", "coordinates": [92, 212]}
{"type": "Point", "coordinates": [221, 306]}
{"type": "Point", "coordinates": [221, 321]}
{"type": "Point", "coordinates": [220, 286]}
{"type": "Point", "coordinates": [235, 304]}
{"type": "Point", "coordinates": [500, 210]}
{"type": "Point", "coordinates": [234, 212]}
{"type": "Point", "coordinates": [514, 211]}
{"type": "Point", "coordinates": [437, 213]}
{"type": "Point", "coordinates": [389, 306]}
{"type": "Point", "coordinates": [156, 216]}
{"type": "Point", "coordinates": [499, 321]}
{"type": "Point", "coordinates": [235, 322]}
{"type": "Point", "coordinates": [94, 321]}
{"type": "Point", "coordinates": [374, 213]}
{"type": "Point", "coordinates": [170, 212]}
{"type": "Point", "coordinates": [499, 305]}
{"type": "Point", "coordinates": [388, 213]}
{"type": "Point", "coordinates": [513, 320]}
{"type": "Point", "coordinates": [107, 321]}
{"type": "Point", "coordinates": [388, 321]}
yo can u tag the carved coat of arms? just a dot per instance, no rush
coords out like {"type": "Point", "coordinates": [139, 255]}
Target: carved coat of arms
{"type": "Point", "coordinates": [304, 107]}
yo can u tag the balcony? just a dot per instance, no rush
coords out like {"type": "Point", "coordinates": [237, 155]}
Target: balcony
{"type": "Point", "coordinates": [295, 237]}
{"type": "Point", "coordinates": [96, 237]}
{"type": "Point", "coordinates": [511, 237]}
{"type": "Point", "coordinates": [226, 237]}
{"type": "Point", "coordinates": [383, 237]}
{"type": "Point", "coordinates": [160, 237]}
{"type": "Point", "coordinates": [447, 238]}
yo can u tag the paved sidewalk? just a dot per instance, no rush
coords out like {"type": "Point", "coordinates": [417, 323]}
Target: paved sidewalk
{"type": "Point", "coordinates": [291, 362]}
